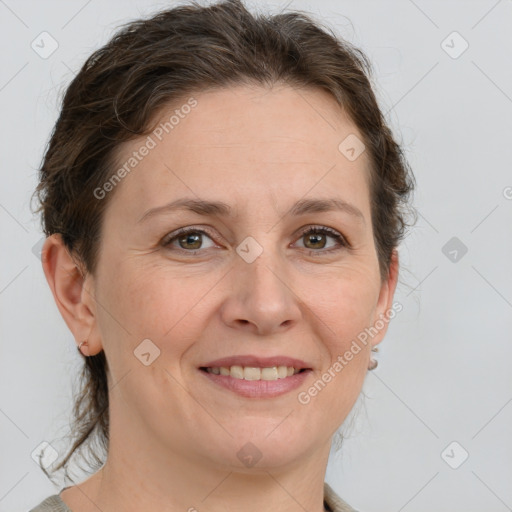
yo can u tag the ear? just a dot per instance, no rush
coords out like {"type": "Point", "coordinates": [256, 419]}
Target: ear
{"type": "Point", "coordinates": [74, 300]}
{"type": "Point", "coordinates": [384, 311]}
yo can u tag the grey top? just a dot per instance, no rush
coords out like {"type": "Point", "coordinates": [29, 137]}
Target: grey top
{"type": "Point", "coordinates": [51, 504]}
{"type": "Point", "coordinates": [332, 503]}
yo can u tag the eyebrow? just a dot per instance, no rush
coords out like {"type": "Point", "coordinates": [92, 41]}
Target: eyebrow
{"type": "Point", "coordinates": [218, 208]}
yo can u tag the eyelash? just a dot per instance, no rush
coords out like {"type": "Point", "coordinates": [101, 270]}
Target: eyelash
{"type": "Point", "coordinates": [342, 241]}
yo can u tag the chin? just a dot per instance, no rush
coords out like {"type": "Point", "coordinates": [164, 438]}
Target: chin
{"type": "Point", "coordinates": [272, 446]}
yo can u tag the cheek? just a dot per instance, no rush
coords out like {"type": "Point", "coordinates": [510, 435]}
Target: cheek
{"type": "Point", "coordinates": [348, 306]}
{"type": "Point", "coordinates": [347, 316]}
{"type": "Point", "coordinates": [347, 310]}
{"type": "Point", "coordinates": [156, 303]}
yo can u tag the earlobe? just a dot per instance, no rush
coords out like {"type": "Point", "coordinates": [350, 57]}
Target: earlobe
{"type": "Point", "coordinates": [66, 282]}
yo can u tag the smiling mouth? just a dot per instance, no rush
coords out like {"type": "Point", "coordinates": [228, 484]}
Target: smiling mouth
{"type": "Point", "coordinates": [254, 373]}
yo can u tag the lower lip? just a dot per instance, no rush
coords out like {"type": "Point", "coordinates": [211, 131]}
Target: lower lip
{"type": "Point", "coordinates": [258, 388]}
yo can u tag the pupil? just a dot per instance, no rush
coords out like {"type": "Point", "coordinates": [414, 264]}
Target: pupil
{"type": "Point", "coordinates": [315, 236]}
{"type": "Point", "coordinates": [185, 239]}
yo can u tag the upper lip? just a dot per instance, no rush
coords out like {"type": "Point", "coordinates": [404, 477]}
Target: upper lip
{"type": "Point", "coordinates": [257, 361]}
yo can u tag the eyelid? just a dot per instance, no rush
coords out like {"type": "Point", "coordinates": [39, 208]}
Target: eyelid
{"type": "Point", "coordinates": [182, 231]}
{"type": "Point", "coordinates": [333, 233]}
{"type": "Point", "coordinates": [341, 242]}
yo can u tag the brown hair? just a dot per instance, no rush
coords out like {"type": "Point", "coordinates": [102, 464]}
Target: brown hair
{"type": "Point", "coordinates": [152, 62]}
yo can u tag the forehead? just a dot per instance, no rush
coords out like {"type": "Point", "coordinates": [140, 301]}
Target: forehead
{"type": "Point", "coordinates": [254, 142]}
{"type": "Point", "coordinates": [244, 117]}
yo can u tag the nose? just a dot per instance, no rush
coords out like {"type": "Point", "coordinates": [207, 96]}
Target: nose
{"type": "Point", "coordinates": [261, 296]}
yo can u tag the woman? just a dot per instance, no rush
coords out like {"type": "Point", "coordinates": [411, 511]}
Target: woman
{"type": "Point", "coordinates": [223, 203]}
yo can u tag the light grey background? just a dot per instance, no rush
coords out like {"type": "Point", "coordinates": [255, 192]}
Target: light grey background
{"type": "Point", "coordinates": [444, 367]}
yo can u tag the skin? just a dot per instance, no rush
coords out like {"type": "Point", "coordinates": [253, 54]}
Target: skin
{"type": "Point", "coordinates": [174, 435]}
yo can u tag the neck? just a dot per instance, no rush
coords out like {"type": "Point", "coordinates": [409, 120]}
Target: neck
{"type": "Point", "coordinates": [128, 485]}
{"type": "Point", "coordinates": [132, 482]}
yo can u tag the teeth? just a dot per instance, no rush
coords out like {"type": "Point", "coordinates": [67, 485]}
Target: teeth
{"type": "Point", "coordinates": [253, 373]}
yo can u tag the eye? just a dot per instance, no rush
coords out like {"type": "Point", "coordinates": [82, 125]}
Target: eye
{"type": "Point", "coordinates": [189, 239]}
{"type": "Point", "coordinates": [317, 237]}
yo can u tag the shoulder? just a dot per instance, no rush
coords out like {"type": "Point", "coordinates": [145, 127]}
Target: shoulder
{"type": "Point", "coordinates": [51, 504]}
{"type": "Point", "coordinates": [333, 502]}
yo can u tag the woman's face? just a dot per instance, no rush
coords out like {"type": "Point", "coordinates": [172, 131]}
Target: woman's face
{"type": "Point", "coordinates": [252, 283]}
